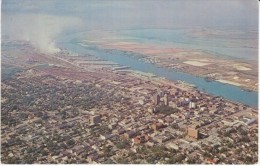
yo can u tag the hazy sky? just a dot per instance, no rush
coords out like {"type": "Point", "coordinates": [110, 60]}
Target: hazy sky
{"type": "Point", "coordinates": [144, 13]}
{"type": "Point", "coordinates": [41, 21]}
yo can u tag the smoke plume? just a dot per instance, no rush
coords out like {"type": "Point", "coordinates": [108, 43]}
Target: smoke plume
{"type": "Point", "coordinates": [39, 30]}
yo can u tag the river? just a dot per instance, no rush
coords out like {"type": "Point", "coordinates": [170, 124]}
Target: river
{"type": "Point", "coordinates": [215, 88]}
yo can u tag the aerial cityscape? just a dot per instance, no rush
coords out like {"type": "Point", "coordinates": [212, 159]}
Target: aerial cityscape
{"type": "Point", "coordinates": [129, 82]}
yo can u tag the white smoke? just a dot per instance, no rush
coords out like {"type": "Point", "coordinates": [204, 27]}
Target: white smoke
{"type": "Point", "coordinates": [40, 30]}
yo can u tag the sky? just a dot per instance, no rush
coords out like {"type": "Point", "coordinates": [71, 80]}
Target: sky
{"type": "Point", "coordinates": [132, 13]}
{"type": "Point", "coordinates": [32, 19]}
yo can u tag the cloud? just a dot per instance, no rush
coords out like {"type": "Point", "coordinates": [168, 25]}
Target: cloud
{"type": "Point", "coordinates": [40, 30]}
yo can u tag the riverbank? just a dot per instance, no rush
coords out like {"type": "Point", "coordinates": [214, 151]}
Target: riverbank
{"type": "Point", "coordinates": [214, 88]}
{"type": "Point", "coordinates": [237, 72]}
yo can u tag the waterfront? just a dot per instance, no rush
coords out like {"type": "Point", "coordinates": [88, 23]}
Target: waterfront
{"type": "Point", "coordinates": [227, 91]}
{"type": "Point", "coordinates": [129, 82]}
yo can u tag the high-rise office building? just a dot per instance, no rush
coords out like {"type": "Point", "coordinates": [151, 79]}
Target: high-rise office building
{"type": "Point", "coordinates": [166, 99]}
{"type": "Point", "coordinates": [95, 120]}
{"type": "Point", "coordinates": [157, 99]}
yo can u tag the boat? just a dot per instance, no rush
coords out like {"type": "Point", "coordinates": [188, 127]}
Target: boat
{"type": "Point", "coordinates": [209, 79]}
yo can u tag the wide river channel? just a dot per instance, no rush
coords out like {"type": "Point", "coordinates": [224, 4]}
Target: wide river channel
{"type": "Point", "coordinates": [215, 88]}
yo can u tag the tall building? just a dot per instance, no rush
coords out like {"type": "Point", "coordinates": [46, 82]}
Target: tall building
{"type": "Point", "coordinates": [157, 99]}
{"type": "Point", "coordinates": [166, 99]}
{"type": "Point", "coordinates": [192, 105]}
{"type": "Point", "coordinates": [161, 93]}
{"type": "Point", "coordinates": [95, 120]}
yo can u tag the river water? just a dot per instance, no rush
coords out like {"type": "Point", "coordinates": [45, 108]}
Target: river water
{"type": "Point", "coordinates": [215, 88]}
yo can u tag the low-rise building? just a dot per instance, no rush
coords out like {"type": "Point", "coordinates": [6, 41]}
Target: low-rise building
{"type": "Point", "coordinates": [140, 139]}
{"type": "Point", "coordinates": [193, 132]}
{"type": "Point", "coordinates": [157, 126]}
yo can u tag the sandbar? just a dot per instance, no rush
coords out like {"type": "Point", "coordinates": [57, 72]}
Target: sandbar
{"type": "Point", "coordinates": [229, 82]}
{"type": "Point", "coordinates": [196, 63]}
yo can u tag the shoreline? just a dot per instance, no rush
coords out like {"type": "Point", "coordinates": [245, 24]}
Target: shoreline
{"type": "Point", "coordinates": [118, 54]}
{"type": "Point", "coordinates": [224, 81]}
{"type": "Point", "coordinates": [242, 87]}
{"type": "Point", "coordinates": [229, 82]}
{"type": "Point", "coordinates": [244, 70]}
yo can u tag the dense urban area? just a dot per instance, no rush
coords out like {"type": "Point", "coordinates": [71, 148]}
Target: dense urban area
{"type": "Point", "coordinates": [67, 108]}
